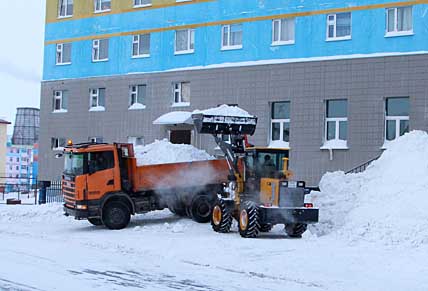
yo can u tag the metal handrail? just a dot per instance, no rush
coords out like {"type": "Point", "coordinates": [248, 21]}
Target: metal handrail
{"type": "Point", "coordinates": [361, 168]}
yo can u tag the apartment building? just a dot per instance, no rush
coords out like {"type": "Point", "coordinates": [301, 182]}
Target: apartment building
{"type": "Point", "coordinates": [3, 141]}
{"type": "Point", "coordinates": [333, 82]}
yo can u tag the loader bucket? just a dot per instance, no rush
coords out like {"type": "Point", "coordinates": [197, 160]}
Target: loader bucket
{"type": "Point", "coordinates": [219, 124]}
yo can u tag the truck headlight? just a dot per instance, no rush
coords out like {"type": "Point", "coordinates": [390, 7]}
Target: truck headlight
{"type": "Point", "coordinates": [82, 207]}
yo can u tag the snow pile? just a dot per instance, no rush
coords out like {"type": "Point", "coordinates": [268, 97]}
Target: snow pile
{"type": "Point", "coordinates": [164, 152]}
{"type": "Point", "coordinates": [225, 110]}
{"type": "Point", "coordinates": [39, 213]}
{"type": "Point", "coordinates": [387, 203]}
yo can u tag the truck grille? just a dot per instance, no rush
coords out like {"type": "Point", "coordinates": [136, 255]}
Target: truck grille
{"type": "Point", "coordinates": [69, 192]}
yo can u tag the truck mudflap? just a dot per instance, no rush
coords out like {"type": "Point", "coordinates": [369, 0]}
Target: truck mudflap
{"type": "Point", "coordinates": [285, 215]}
{"type": "Point", "coordinates": [80, 214]}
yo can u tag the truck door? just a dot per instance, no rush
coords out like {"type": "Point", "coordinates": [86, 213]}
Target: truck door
{"type": "Point", "coordinates": [101, 174]}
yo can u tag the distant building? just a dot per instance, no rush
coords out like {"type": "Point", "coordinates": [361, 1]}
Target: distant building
{"type": "Point", "coordinates": [333, 81]}
{"type": "Point", "coordinates": [3, 141]}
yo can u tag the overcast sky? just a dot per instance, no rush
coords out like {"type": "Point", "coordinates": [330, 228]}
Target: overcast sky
{"type": "Point", "coordinates": [21, 55]}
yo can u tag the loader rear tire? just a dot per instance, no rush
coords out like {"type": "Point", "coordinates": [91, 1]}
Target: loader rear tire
{"type": "Point", "coordinates": [200, 209]}
{"type": "Point", "coordinates": [266, 227]}
{"type": "Point", "coordinates": [116, 215]}
{"type": "Point", "coordinates": [221, 217]}
{"type": "Point", "coordinates": [95, 221]}
{"type": "Point", "coordinates": [249, 220]}
{"type": "Point", "coordinates": [295, 230]}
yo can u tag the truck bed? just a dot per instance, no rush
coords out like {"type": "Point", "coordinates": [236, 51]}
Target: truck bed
{"type": "Point", "coordinates": [178, 175]}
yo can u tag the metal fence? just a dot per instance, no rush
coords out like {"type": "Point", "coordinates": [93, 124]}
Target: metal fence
{"type": "Point", "coordinates": [29, 191]}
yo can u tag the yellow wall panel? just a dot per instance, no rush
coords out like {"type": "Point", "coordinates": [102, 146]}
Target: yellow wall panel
{"type": "Point", "coordinates": [121, 5]}
{"type": "Point", "coordinates": [51, 10]}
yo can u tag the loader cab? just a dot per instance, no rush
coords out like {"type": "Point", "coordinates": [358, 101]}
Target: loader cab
{"type": "Point", "coordinates": [265, 162]}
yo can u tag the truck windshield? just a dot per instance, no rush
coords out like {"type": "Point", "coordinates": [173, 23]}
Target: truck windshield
{"type": "Point", "coordinates": [74, 164]}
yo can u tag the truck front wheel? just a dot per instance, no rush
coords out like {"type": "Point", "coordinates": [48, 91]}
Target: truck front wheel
{"type": "Point", "coordinates": [200, 209]}
{"type": "Point", "coordinates": [95, 221]}
{"type": "Point", "coordinates": [116, 215]}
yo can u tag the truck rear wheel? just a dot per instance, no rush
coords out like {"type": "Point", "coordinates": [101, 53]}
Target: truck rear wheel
{"type": "Point", "coordinates": [116, 215]}
{"type": "Point", "coordinates": [295, 230]}
{"type": "Point", "coordinates": [200, 209]}
{"type": "Point", "coordinates": [95, 221]}
{"type": "Point", "coordinates": [249, 221]}
{"type": "Point", "coordinates": [221, 217]}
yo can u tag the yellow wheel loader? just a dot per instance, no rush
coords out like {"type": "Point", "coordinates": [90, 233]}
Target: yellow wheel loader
{"type": "Point", "coordinates": [259, 193]}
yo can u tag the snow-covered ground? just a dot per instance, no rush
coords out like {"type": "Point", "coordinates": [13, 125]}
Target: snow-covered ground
{"type": "Point", "coordinates": [42, 250]}
{"type": "Point", "coordinates": [372, 235]}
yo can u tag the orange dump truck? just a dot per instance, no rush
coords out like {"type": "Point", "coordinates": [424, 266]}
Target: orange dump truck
{"type": "Point", "coordinates": [103, 184]}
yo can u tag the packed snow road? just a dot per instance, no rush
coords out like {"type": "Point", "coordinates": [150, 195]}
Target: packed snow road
{"type": "Point", "coordinates": [42, 250]}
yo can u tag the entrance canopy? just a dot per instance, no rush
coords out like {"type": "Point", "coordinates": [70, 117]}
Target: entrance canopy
{"type": "Point", "coordinates": [175, 117]}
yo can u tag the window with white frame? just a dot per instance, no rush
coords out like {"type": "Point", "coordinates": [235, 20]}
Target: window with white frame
{"type": "Point", "coordinates": [280, 124]}
{"type": "Point", "coordinates": [184, 41]}
{"type": "Point", "coordinates": [396, 117]}
{"type": "Point", "coordinates": [283, 31]}
{"type": "Point", "coordinates": [181, 92]}
{"type": "Point", "coordinates": [137, 96]}
{"type": "Point", "coordinates": [339, 26]}
{"type": "Point", "coordinates": [58, 143]}
{"type": "Point", "coordinates": [336, 123]}
{"type": "Point", "coordinates": [65, 8]}
{"type": "Point", "coordinates": [231, 36]}
{"type": "Point", "coordinates": [100, 50]}
{"type": "Point", "coordinates": [63, 53]}
{"type": "Point", "coordinates": [141, 45]}
{"type": "Point", "coordinates": [97, 99]}
{"type": "Point", "coordinates": [95, 139]}
{"type": "Point", "coordinates": [60, 101]}
{"type": "Point", "coordinates": [399, 20]}
{"type": "Point", "coordinates": [136, 140]}
{"type": "Point", "coordinates": [102, 5]}
{"type": "Point", "coordinates": [142, 3]}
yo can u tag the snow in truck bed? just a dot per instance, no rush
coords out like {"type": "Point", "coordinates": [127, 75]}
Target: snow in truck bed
{"type": "Point", "coordinates": [164, 152]}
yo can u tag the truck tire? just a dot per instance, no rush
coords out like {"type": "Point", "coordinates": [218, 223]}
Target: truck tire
{"type": "Point", "coordinates": [178, 209]}
{"type": "Point", "coordinates": [295, 230]}
{"type": "Point", "coordinates": [116, 215]}
{"type": "Point", "coordinates": [221, 218]}
{"type": "Point", "coordinates": [200, 209]}
{"type": "Point", "coordinates": [95, 221]}
{"type": "Point", "coordinates": [249, 220]}
{"type": "Point", "coordinates": [266, 227]}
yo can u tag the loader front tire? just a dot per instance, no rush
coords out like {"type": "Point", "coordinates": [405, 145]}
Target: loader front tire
{"type": "Point", "coordinates": [295, 230]}
{"type": "Point", "coordinates": [221, 217]}
{"type": "Point", "coordinates": [249, 220]}
{"type": "Point", "coordinates": [116, 215]}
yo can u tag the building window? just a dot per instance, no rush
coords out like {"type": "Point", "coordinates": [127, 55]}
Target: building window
{"type": "Point", "coordinates": [136, 140]}
{"type": "Point", "coordinates": [336, 124]}
{"type": "Point", "coordinates": [137, 96]}
{"type": "Point", "coordinates": [63, 53]}
{"type": "Point", "coordinates": [97, 99]}
{"type": "Point", "coordinates": [396, 117]}
{"type": "Point", "coordinates": [184, 41]}
{"type": "Point", "coordinates": [283, 31]}
{"type": "Point", "coordinates": [65, 8]}
{"type": "Point", "coordinates": [399, 21]}
{"type": "Point", "coordinates": [339, 26]}
{"type": "Point", "coordinates": [280, 125]}
{"type": "Point", "coordinates": [181, 94]}
{"type": "Point", "coordinates": [57, 143]}
{"type": "Point", "coordinates": [231, 36]}
{"type": "Point", "coordinates": [60, 101]}
{"type": "Point", "coordinates": [95, 139]}
{"type": "Point", "coordinates": [141, 46]}
{"type": "Point", "coordinates": [102, 5]}
{"type": "Point", "coordinates": [100, 50]}
{"type": "Point", "coordinates": [142, 3]}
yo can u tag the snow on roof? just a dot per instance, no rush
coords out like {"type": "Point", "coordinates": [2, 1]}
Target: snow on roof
{"type": "Point", "coordinates": [175, 117]}
{"type": "Point", "coordinates": [225, 110]}
{"type": "Point", "coordinates": [164, 152]}
{"type": "Point", "coordinates": [385, 203]}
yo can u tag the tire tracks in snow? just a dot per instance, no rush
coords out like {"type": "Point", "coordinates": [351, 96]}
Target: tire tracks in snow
{"type": "Point", "coordinates": [259, 275]}
{"type": "Point", "coordinates": [7, 285]}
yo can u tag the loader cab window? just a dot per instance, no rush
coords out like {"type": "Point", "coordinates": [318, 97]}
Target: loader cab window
{"type": "Point", "coordinates": [100, 161]}
{"type": "Point", "coordinates": [265, 163]}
